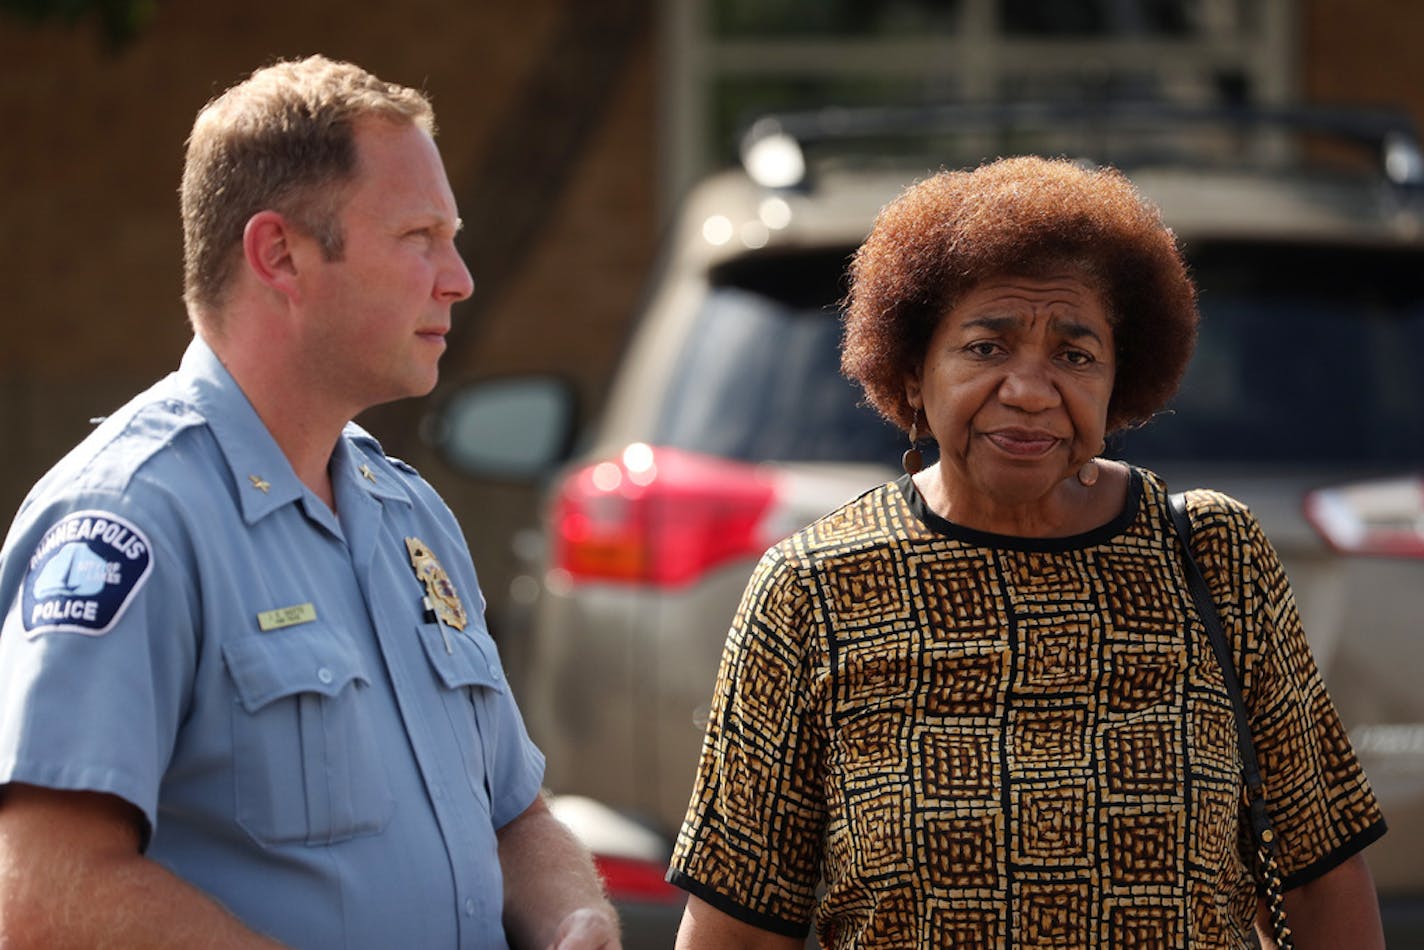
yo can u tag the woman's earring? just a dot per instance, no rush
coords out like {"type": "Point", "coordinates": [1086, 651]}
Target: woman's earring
{"type": "Point", "coordinates": [911, 460]}
{"type": "Point", "coordinates": [1088, 472]}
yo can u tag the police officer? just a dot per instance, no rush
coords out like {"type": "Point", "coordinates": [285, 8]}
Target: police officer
{"type": "Point", "coordinates": [246, 691]}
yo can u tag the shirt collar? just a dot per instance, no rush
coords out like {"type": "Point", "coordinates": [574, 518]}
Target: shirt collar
{"type": "Point", "coordinates": [360, 460]}
{"type": "Point", "coordinates": [262, 477]}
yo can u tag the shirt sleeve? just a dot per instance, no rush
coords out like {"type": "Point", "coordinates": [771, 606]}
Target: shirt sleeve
{"type": "Point", "coordinates": [514, 762]}
{"type": "Point", "coordinates": [1321, 804]}
{"type": "Point", "coordinates": [750, 844]}
{"type": "Point", "coordinates": [517, 764]}
{"type": "Point", "coordinates": [97, 649]}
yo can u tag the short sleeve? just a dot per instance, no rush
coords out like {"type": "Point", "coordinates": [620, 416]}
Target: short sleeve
{"type": "Point", "coordinates": [1321, 803]}
{"type": "Point", "coordinates": [97, 649]}
{"type": "Point", "coordinates": [514, 762]}
{"type": "Point", "coordinates": [751, 842]}
{"type": "Point", "coordinates": [518, 765]}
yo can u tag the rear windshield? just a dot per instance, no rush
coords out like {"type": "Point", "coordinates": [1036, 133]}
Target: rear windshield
{"type": "Point", "coordinates": [1305, 355]}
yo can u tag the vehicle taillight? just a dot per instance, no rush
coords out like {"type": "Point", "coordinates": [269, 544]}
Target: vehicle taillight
{"type": "Point", "coordinates": [659, 516]}
{"type": "Point", "coordinates": [631, 879]}
{"type": "Point", "coordinates": [1378, 517]}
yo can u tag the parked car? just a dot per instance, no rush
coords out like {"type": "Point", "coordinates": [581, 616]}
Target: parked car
{"type": "Point", "coordinates": [729, 426]}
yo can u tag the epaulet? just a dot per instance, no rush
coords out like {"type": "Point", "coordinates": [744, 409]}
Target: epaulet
{"type": "Point", "coordinates": [123, 443]}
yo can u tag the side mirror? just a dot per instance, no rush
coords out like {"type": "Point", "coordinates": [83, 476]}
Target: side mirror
{"type": "Point", "coordinates": [511, 428]}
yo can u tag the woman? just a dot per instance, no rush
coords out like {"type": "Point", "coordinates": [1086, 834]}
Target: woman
{"type": "Point", "coordinates": [975, 705]}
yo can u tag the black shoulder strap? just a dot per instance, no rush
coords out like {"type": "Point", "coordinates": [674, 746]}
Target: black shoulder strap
{"type": "Point", "coordinates": [1256, 803]}
{"type": "Point", "coordinates": [1206, 609]}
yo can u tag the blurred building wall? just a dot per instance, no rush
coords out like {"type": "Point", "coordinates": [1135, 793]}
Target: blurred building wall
{"type": "Point", "coordinates": [554, 97]}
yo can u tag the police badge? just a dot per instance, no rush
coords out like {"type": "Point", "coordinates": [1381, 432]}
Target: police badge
{"type": "Point", "coordinates": [440, 594]}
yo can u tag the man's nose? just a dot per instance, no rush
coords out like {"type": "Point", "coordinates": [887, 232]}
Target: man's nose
{"type": "Point", "coordinates": [454, 282]}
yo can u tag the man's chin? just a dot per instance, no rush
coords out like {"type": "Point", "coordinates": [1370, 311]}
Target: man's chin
{"type": "Point", "coordinates": [416, 390]}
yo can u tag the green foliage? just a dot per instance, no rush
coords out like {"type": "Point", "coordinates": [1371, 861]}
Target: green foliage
{"type": "Point", "coordinates": [119, 20]}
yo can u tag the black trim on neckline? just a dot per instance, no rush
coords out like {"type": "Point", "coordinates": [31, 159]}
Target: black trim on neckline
{"type": "Point", "coordinates": [988, 539]}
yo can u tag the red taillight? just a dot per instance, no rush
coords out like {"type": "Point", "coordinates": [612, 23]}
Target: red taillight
{"type": "Point", "coordinates": [659, 516]}
{"type": "Point", "coordinates": [1379, 517]}
{"type": "Point", "coordinates": [629, 879]}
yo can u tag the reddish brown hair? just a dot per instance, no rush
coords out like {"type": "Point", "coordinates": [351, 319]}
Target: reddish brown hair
{"type": "Point", "coordinates": [1025, 217]}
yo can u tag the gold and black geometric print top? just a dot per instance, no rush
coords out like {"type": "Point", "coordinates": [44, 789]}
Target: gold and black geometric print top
{"type": "Point", "coordinates": [935, 737]}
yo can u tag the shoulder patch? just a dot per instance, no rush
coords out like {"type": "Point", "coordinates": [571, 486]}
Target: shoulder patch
{"type": "Point", "coordinates": [83, 574]}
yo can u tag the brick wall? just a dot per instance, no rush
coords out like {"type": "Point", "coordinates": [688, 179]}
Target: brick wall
{"type": "Point", "coordinates": [90, 239]}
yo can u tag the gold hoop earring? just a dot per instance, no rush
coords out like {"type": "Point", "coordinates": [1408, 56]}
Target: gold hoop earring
{"type": "Point", "coordinates": [912, 461]}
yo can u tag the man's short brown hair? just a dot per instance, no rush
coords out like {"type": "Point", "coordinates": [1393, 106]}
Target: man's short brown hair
{"type": "Point", "coordinates": [282, 140]}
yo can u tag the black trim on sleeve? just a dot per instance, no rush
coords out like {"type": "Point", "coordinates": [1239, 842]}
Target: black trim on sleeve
{"type": "Point", "coordinates": [777, 925]}
{"type": "Point", "coordinates": [1337, 857]}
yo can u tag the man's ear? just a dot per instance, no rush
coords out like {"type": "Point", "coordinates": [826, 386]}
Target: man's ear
{"type": "Point", "coordinates": [267, 249]}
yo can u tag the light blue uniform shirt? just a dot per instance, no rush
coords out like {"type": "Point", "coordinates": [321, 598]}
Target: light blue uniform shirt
{"type": "Point", "coordinates": [334, 773]}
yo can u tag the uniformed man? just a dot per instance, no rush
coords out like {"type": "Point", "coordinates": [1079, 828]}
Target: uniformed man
{"type": "Point", "coordinates": [246, 691]}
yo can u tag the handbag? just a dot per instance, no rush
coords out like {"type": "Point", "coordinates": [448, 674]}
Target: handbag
{"type": "Point", "coordinates": [1255, 792]}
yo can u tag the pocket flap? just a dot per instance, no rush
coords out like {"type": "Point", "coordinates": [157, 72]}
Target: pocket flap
{"type": "Point", "coordinates": [471, 659]}
{"type": "Point", "coordinates": [269, 666]}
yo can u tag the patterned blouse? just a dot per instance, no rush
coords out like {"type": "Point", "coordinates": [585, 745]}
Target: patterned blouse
{"type": "Point", "coordinates": [930, 736]}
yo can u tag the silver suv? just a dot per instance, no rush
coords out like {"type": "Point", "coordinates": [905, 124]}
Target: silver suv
{"type": "Point", "coordinates": [729, 426]}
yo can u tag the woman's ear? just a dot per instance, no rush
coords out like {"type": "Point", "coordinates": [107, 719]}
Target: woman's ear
{"type": "Point", "coordinates": [913, 393]}
{"type": "Point", "coordinates": [268, 252]}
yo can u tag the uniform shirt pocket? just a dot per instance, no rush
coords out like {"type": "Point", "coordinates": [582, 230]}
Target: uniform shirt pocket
{"type": "Point", "coordinates": [466, 663]}
{"type": "Point", "coordinates": [306, 759]}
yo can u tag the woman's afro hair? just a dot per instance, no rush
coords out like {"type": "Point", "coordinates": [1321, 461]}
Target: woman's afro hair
{"type": "Point", "coordinates": [1024, 217]}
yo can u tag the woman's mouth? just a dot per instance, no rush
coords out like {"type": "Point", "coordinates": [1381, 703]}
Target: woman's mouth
{"type": "Point", "coordinates": [1023, 443]}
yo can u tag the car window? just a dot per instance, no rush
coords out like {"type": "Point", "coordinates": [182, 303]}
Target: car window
{"type": "Point", "coordinates": [759, 377]}
{"type": "Point", "coordinates": [1305, 355]}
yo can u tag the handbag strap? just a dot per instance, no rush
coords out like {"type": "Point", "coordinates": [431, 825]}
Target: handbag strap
{"type": "Point", "coordinates": [1250, 769]}
{"type": "Point", "coordinates": [1206, 609]}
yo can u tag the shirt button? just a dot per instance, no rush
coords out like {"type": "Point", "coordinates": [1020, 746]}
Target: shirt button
{"type": "Point", "coordinates": [469, 907]}
{"type": "Point", "coordinates": [325, 675]}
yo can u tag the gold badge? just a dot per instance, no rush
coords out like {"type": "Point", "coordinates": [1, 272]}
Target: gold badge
{"type": "Point", "coordinates": [440, 593]}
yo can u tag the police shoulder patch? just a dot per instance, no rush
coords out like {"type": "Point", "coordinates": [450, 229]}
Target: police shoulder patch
{"type": "Point", "coordinates": [84, 573]}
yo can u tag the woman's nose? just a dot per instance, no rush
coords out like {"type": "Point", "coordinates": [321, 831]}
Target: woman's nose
{"type": "Point", "coordinates": [1029, 387]}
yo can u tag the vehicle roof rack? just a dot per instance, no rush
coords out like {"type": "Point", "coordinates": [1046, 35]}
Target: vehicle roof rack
{"type": "Point", "coordinates": [774, 148]}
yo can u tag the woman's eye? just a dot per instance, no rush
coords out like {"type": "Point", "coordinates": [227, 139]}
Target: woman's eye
{"type": "Point", "coordinates": [983, 348]}
{"type": "Point", "coordinates": [1078, 357]}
